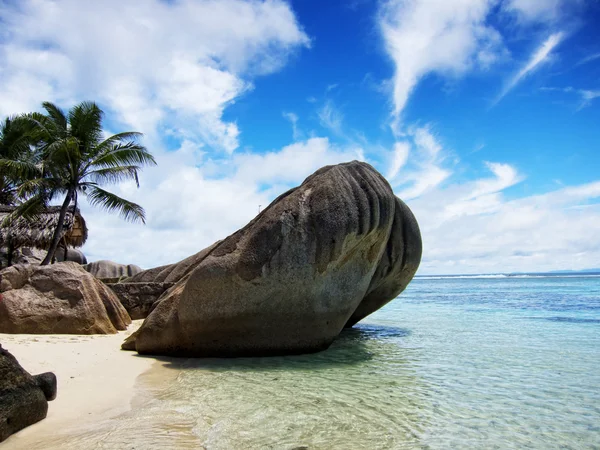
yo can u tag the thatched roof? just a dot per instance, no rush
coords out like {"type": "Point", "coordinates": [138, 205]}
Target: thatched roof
{"type": "Point", "coordinates": [38, 232]}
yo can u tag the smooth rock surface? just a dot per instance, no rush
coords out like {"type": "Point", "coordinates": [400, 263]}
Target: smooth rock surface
{"type": "Point", "coordinates": [60, 298]}
{"type": "Point", "coordinates": [72, 255]}
{"type": "Point", "coordinates": [110, 269]}
{"type": "Point", "coordinates": [322, 256]}
{"type": "Point", "coordinates": [23, 397]}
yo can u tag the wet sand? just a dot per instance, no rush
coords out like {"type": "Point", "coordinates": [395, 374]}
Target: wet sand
{"type": "Point", "coordinates": [96, 381]}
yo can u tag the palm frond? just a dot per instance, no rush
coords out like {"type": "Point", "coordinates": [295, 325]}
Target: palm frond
{"type": "Point", "coordinates": [57, 115]}
{"type": "Point", "coordinates": [127, 210]}
{"type": "Point", "coordinates": [85, 120]}
{"type": "Point", "coordinates": [19, 169]}
{"type": "Point", "coordinates": [115, 174]}
{"type": "Point", "coordinates": [15, 137]}
{"type": "Point", "coordinates": [128, 153]}
{"type": "Point", "coordinates": [28, 210]}
{"type": "Point", "coordinates": [62, 153]}
{"type": "Point", "coordinates": [110, 142]}
{"type": "Point", "coordinates": [43, 186]}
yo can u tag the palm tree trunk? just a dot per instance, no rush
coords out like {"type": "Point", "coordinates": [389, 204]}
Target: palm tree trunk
{"type": "Point", "coordinates": [59, 228]}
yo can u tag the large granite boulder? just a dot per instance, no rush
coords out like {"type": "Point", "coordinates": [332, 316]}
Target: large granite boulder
{"type": "Point", "coordinates": [72, 255]}
{"type": "Point", "coordinates": [110, 269]}
{"type": "Point", "coordinates": [23, 398]}
{"type": "Point", "coordinates": [60, 298]}
{"type": "Point", "coordinates": [322, 256]}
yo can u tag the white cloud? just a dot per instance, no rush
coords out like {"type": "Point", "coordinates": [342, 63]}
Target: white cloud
{"type": "Point", "coordinates": [399, 158]}
{"type": "Point", "coordinates": [154, 64]}
{"type": "Point", "coordinates": [467, 229]}
{"type": "Point", "coordinates": [534, 10]}
{"type": "Point", "coordinates": [540, 56]}
{"type": "Point", "coordinates": [474, 227]}
{"type": "Point", "coordinates": [435, 36]}
{"type": "Point", "coordinates": [418, 163]}
{"type": "Point", "coordinates": [172, 68]}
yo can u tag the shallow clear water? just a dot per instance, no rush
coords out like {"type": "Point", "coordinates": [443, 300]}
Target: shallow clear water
{"type": "Point", "coordinates": [453, 363]}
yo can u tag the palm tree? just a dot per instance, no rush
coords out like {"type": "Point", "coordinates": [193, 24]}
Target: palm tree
{"type": "Point", "coordinates": [17, 150]}
{"type": "Point", "coordinates": [78, 159]}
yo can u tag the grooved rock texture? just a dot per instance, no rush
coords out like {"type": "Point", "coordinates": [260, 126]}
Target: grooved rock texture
{"type": "Point", "coordinates": [109, 269]}
{"type": "Point", "coordinates": [322, 256]}
{"type": "Point", "coordinates": [60, 298]}
{"type": "Point", "coordinates": [23, 398]}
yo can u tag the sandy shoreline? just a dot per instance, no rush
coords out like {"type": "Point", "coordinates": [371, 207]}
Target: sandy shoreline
{"type": "Point", "coordinates": [95, 380]}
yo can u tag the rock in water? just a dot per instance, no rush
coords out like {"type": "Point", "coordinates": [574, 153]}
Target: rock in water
{"type": "Point", "coordinates": [322, 256]}
{"type": "Point", "coordinates": [60, 298]}
{"type": "Point", "coordinates": [23, 398]}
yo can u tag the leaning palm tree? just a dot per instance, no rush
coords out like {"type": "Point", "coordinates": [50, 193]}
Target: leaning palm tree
{"type": "Point", "coordinates": [78, 159]}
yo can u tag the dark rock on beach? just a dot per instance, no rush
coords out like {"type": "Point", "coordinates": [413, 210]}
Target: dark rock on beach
{"type": "Point", "coordinates": [60, 298]}
{"type": "Point", "coordinates": [321, 257]}
{"type": "Point", "coordinates": [23, 397]}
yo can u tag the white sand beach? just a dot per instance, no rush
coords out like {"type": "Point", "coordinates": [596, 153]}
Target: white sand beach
{"type": "Point", "coordinates": [95, 379]}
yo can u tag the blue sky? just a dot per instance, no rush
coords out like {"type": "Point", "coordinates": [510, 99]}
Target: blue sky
{"type": "Point", "coordinates": [483, 114]}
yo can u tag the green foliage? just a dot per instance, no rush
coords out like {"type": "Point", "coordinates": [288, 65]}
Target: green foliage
{"type": "Point", "coordinates": [56, 154]}
{"type": "Point", "coordinates": [18, 161]}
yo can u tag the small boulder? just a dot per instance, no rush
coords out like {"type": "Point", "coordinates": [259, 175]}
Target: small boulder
{"type": "Point", "coordinates": [60, 298]}
{"type": "Point", "coordinates": [23, 397]}
{"type": "Point", "coordinates": [110, 269]}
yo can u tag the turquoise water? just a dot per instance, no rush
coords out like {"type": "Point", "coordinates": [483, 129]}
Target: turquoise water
{"type": "Point", "coordinates": [453, 363]}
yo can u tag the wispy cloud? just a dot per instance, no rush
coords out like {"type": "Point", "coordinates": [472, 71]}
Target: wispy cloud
{"type": "Point", "coordinates": [586, 96]}
{"type": "Point", "coordinates": [293, 119]}
{"type": "Point", "coordinates": [540, 56]}
{"type": "Point", "coordinates": [535, 10]}
{"type": "Point", "coordinates": [589, 58]}
{"type": "Point", "coordinates": [398, 160]}
{"type": "Point", "coordinates": [417, 163]}
{"type": "Point", "coordinates": [331, 118]}
{"type": "Point", "coordinates": [436, 36]}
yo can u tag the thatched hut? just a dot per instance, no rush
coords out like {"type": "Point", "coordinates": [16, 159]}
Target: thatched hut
{"type": "Point", "coordinates": [37, 233]}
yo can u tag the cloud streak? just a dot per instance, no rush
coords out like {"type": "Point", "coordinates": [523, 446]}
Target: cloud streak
{"type": "Point", "coordinates": [449, 42]}
{"type": "Point", "coordinates": [540, 56]}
